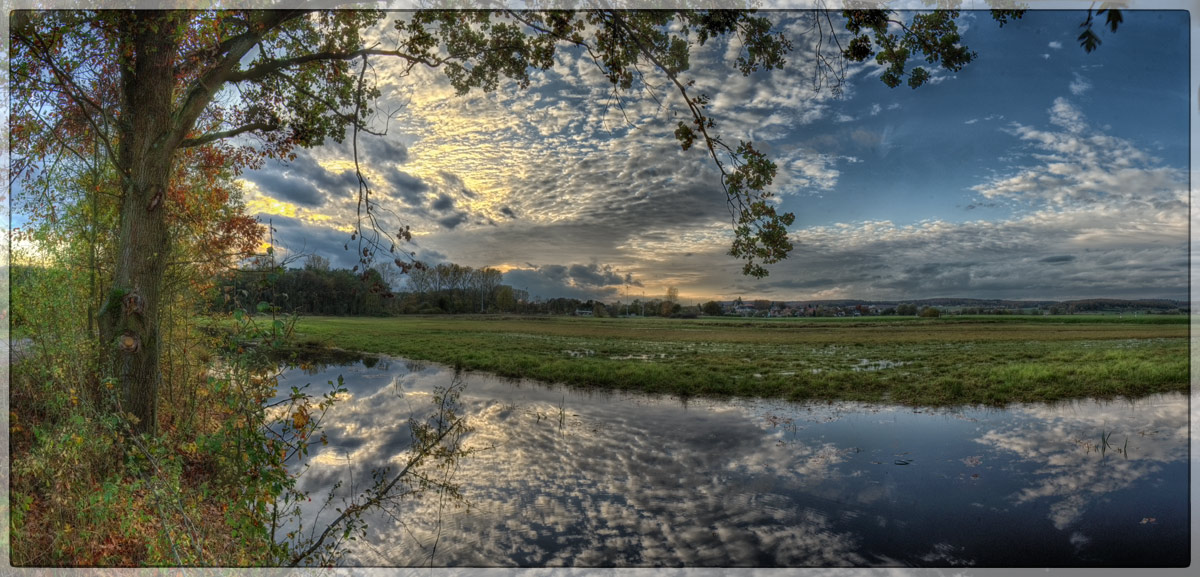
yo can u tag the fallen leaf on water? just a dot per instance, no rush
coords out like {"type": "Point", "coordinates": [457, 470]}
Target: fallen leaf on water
{"type": "Point", "coordinates": [1149, 521]}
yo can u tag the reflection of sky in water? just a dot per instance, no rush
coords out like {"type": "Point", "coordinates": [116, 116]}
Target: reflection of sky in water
{"type": "Point", "coordinates": [582, 478]}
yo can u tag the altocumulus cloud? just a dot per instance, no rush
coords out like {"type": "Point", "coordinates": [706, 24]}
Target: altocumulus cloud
{"type": "Point", "coordinates": [555, 174]}
{"type": "Point", "coordinates": [562, 157]}
{"type": "Point", "coordinates": [1095, 215]}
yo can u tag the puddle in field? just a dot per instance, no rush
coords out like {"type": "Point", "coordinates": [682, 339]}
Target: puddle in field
{"type": "Point", "coordinates": [594, 478]}
{"type": "Point", "coordinates": [869, 365]}
{"type": "Point", "coordinates": [643, 357]}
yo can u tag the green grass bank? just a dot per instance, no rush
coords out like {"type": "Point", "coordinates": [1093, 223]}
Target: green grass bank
{"type": "Point", "coordinates": [944, 361]}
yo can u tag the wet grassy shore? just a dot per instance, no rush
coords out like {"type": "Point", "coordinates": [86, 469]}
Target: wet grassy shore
{"type": "Point", "coordinates": [931, 362]}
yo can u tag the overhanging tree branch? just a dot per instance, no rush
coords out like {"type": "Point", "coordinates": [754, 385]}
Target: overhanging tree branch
{"type": "Point", "coordinates": [212, 137]}
{"type": "Point", "coordinates": [274, 66]}
{"type": "Point", "coordinates": [204, 88]}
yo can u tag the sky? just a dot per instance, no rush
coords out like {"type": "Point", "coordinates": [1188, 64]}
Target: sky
{"type": "Point", "coordinates": [1039, 171]}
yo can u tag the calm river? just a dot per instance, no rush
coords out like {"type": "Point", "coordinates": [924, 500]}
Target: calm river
{"type": "Point", "coordinates": [601, 479]}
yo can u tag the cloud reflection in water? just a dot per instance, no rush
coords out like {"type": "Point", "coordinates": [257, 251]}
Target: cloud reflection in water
{"type": "Point", "coordinates": [576, 478]}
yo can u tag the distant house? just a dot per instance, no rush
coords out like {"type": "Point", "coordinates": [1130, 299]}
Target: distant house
{"type": "Point", "coordinates": [583, 312]}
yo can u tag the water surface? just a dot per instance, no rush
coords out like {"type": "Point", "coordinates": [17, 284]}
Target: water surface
{"type": "Point", "coordinates": [596, 478]}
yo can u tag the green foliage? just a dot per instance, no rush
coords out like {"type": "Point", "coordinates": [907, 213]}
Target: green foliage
{"type": "Point", "coordinates": [934, 35]}
{"type": "Point", "coordinates": [1088, 39]}
{"type": "Point", "coordinates": [88, 495]}
{"type": "Point", "coordinates": [255, 440]}
{"type": "Point", "coordinates": [88, 490]}
{"type": "Point", "coordinates": [761, 234]}
{"type": "Point", "coordinates": [219, 479]}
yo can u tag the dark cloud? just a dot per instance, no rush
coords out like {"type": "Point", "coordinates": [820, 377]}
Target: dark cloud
{"type": "Point", "coordinates": [801, 283]}
{"type": "Point", "coordinates": [304, 181]}
{"type": "Point", "coordinates": [406, 187]}
{"type": "Point", "coordinates": [380, 149]}
{"type": "Point", "coordinates": [282, 186]}
{"type": "Point", "coordinates": [671, 192]}
{"type": "Point", "coordinates": [595, 275]}
{"type": "Point", "coordinates": [452, 221]}
{"type": "Point", "coordinates": [430, 256]}
{"type": "Point", "coordinates": [590, 281]}
{"type": "Point", "coordinates": [414, 192]}
{"type": "Point", "coordinates": [442, 203]}
{"type": "Point", "coordinates": [1058, 259]}
{"type": "Point", "coordinates": [374, 151]}
{"type": "Point", "coordinates": [555, 272]}
{"type": "Point", "coordinates": [456, 184]}
{"type": "Point", "coordinates": [345, 182]}
{"type": "Point", "coordinates": [506, 211]}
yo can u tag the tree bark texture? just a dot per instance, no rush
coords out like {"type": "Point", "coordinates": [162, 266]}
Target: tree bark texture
{"type": "Point", "coordinates": [130, 323]}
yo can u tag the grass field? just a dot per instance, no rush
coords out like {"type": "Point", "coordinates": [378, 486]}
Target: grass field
{"type": "Point", "coordinates": [951, 360]}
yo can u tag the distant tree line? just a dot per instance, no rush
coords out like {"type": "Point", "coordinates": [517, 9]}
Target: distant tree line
{"type": "Point", "coordinates": [450, 288]}
{"type": "Point", "coordinates": [453, 288]}
{"type": "Point", "coordinates": [314, 289]}
{"type": "Point", "coordinates": [1163, 306]}
{"type": "Point", "coordinates": [446, 288]}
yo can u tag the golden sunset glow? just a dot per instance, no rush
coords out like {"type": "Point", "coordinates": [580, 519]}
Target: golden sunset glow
{"type": "Point", "coordinates": [264, 204]}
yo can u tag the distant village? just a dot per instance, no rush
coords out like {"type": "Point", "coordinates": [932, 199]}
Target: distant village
{"type": "Point", "coordinates": [762, 308]}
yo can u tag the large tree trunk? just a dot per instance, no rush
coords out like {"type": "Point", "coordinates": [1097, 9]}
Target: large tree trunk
{"type": "Point", "coordinates": [129, 327]}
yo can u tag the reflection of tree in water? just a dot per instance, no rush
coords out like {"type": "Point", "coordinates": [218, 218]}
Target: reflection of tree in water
{"type": "Point", "coordinates": [315, 360]}
{"type": "Point", "coordinates": [427, 466]}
